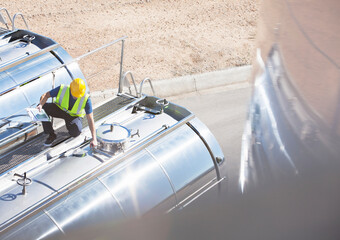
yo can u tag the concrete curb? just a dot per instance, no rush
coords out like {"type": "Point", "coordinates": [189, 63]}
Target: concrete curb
{"type": "Point", "coordinates": [186, 84]}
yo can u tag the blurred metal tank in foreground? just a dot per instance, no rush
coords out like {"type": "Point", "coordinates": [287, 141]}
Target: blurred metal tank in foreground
{"type": "Point", "coordinates": [293, 126]}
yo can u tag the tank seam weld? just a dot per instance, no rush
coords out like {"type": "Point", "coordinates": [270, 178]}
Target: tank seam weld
{"type": "Point", "coordinates": [166, 174]}
{"type": "Point", "coordinates": [54, 221]}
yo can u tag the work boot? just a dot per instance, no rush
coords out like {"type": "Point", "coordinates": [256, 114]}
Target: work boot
{"type": "Point", "coordinates": [50, 140]}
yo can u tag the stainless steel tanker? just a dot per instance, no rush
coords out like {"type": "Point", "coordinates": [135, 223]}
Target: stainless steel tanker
{"type": "Point", "coordinates": [152, 155]}
{"type": "Point", "coordinates": [289, 169]}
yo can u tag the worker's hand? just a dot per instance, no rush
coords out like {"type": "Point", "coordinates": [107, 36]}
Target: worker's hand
{"type": "Point", "coordinates": [39, 107]}
{"type": "Point", "coordinates": [93, 143]}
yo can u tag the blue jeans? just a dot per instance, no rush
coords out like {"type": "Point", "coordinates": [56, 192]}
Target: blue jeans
{"type": "Point", "coordinates": [73, 124]}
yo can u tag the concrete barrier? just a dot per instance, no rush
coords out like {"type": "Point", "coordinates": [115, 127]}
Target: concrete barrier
{"type": "Point", "coordinates": [186, 84]}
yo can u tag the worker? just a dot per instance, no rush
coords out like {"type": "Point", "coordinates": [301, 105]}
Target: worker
{"type": "Point", "coordinates": [71, 104]}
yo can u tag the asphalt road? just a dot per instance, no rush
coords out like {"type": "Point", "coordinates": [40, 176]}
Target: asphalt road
{"type": "Point", "coordinates": [224, 112]}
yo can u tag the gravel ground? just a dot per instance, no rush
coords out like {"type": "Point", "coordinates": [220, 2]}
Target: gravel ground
{"type": "Point", "coordinates": [166, 38]}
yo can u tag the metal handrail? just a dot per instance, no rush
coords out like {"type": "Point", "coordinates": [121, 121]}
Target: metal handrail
{"type": "Point", "coordinates": [65, 64]}
{"type": "Point", "coordinates": [100, 48]}
{"type": "Point", "coordinates": [192, 197]}
{"type": "Point", "coordinates": [53, 71]}
{"type": "Point", "coordinates": [9, 17]}
{"type": "Point", "coordinates": [141, 87]}
{"type": "Point", "coordinates": [23, 18]}
{"type": "Point", "coordinates": [125, 79]}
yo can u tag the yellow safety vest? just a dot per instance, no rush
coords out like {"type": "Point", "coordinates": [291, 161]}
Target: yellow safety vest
{"type": "Point", "coordinates": [63, 99]}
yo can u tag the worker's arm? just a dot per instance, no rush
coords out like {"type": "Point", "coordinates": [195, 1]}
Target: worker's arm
{"type": "Point", "coordinates": [92, 129]}
{"type": "Point", "coordinates": [43, 100]}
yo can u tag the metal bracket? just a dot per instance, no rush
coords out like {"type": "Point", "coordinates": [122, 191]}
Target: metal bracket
{"type": "Point", "coordinates": [134, 134]}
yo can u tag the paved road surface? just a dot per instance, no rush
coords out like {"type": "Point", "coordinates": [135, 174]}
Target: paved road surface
{"type": "Point", "coordinates": [224, 113]}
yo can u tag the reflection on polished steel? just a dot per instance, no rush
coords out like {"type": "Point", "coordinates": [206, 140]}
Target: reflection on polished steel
{"type": "Point", "coordinates": [30, 65]}
{"type": "Point", "coordinates": [153, 155]}
{"type": "Point", "coordinates": [293, 124]}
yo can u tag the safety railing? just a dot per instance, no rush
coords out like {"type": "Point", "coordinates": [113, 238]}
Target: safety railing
{"type": "Point", "coordinates": [125, 82]}
{"type": "Point", "coordinates": [53, 72]}
{"type": "Point", "coordinates": [75, 60]}
{"type": "Point", "coordinates": [3, 19]}
{"type": "Point", "coordinates": [141, 87]}
{"type": "Point", "coordinates": [22, 17]}
{"type": "Point", "coordinates": [11, 20]}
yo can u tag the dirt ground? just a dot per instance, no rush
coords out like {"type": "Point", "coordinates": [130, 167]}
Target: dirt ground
{"type": "Point", "coordinates": [166, 38]}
